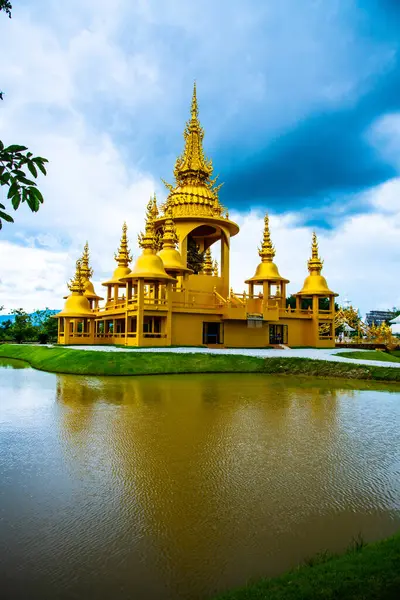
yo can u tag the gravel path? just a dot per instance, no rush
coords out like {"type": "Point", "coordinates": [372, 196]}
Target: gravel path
{"type": "Point", "coordinates": [322, 354]}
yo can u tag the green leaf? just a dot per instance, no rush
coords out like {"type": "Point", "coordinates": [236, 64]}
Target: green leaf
{"type": "Point", "coordinates": [13, 189]}
{"type": "Point", "coordinates": [37, 193]}
{"type": "Point", "coordinates": [39, 162]}
{"type": "Point", "coordinates": [33, 202]}
{"type": "Point", "coordinates": [1, 145]}
{"type": "Point", "coordinates": [15, 148]}
{"type": "Point", "coordinates": [6, 217]}
{"type": "Point", "coordinates": [2, 205]}
{"type": "Point", "coordinates": [32, 169]}
{"type": "Point", "coordinates": [5, 178]}
{"type": "Point", "coordinates": [16, 200]}
{"type": "Point", "coordinates": [25, 181]}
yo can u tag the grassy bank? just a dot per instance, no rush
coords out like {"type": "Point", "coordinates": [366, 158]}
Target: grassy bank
{"type": "Point", "coordinates": [87, 362]}
{"type": "Point", "coordinates": [370, 572]}
{"type": "Point", "coordinates": [372, 355]}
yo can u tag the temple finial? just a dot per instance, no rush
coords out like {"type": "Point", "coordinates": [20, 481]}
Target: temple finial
{"type": "Point", "coordinates": [86, 271]}
{"type": "Point", "coordinates": [315, 263]}
{"type": "Point", "coordinates": [169, 239]}
{"type": "Point", "coordinates": [215, 269]}
{"type": "Point", "coordinates": [267, 250]}
{"type": "Point", "coordinates": [76, 284]}
{"type": "Point", "coordinates": [192, 164]}
{"type": "Point", "coordinates": [208, 267]}
{"type": "Point", "coordinates": [147, 240]}
{"type": "Point", "coordinates": [123, 257]}
{"type": "Point", "coordinates": [194, 108]}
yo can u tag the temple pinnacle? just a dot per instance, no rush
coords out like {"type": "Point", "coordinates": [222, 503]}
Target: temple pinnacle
{"type": "Point", "coordinates": [208, 267]}
{"type": "Point", "coordinates": [267, 250]}
{"type": "Point", "coordinates": [86, 271]}
{"type": "Point", "coordinates": [123, 257]}
{"type": "Point", "coordinates": [194, 108]}
{"type": "Point", "coordinates": [76, 284]}
{"type": "Point", "coordinates": [315, 263]}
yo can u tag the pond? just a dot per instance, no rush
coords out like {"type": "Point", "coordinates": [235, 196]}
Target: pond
{"type": "Point", "coordinates": [178, 487]}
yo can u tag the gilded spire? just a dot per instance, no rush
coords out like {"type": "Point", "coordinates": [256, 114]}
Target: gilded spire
{"type": "Point", "coordinates": [86, 271]}
{"type": "Point", "coordinates": [208, 267]}
{"type": "Point", "coordinates": [77, 283]}
{"type": "Point", "coordinates": [267, 250]}
{"type": "Point", "coordinates": [195, 191]}
{"type": "Point", "coordinates": [123, 257]}
{"type": "Point", "coordinates": [215, 268]}
{"type": "Point", "coordinates": [315, 263]}
{"type": "Point", "coordinates": [153, 207]}
{"type": "Point", "coordinates": [147, 240]}
{"type": "Point", "coordinates": [169, 238]}
{"type": "Point", "coordinates": [193, 164]}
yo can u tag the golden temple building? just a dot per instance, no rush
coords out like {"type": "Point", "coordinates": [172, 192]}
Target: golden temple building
{"type": "Point", "coordinates": [177, 295]}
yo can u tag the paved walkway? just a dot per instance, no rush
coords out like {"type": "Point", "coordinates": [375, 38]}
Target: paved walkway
{"type": "Point", "coordinates": [323, 354]}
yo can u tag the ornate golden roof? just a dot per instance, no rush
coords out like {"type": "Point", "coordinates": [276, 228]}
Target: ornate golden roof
{"type": "Point", "coordinates": [148, 265]}
{"type": "Point", "coordinates": [170, 256]}
{"type": "Point", "coordinates": [86, 270]}
{"type": "Point", "coordinates": [87, 273]}
{"type": "Point", "coordinates": [122, 257]}
{"type": "Point", "coordinates": [77, 304]}
{"type": "Point", "coordinates": [208, 267]}
{"type": "Point", "coordinates": [315, 284]}
{"type": "Point", "coordinates": [266, 270]}
{"type": "Point", "coordinates": [195, 193]}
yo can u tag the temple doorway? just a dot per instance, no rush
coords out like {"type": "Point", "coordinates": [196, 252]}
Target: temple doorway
{"type": "Point", "coordinates": [213, 333]}
{"type": "Point", "coordinates": [278, 334]}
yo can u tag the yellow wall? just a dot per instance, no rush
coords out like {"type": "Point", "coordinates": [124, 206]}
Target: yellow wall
{"type": "Point", "coordinates": [187, 329]}
{"type": "Point", "coordinates": [238, 335]}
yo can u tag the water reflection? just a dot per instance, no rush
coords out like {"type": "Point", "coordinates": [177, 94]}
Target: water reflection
{"type": "Point", "coordinates": [176, 487]}
{"type": "Point", "coordinates": [241, 464]}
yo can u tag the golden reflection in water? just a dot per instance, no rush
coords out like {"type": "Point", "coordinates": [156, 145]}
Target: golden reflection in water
{"type": "Point", "coordinates": [220, 476]}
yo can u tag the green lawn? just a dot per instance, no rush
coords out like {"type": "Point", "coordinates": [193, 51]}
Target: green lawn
{"type": "Point", "coordinates": [371, 572]}
{"type": "Point", "coordinates": [92, 362]}
{"type": "Point", "coordinates": [372, 355]}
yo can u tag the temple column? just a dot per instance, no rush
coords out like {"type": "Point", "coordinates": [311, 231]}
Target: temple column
{"type": "Point", "coordinates": [283, 295]}
{"type": "Point", "coordinates": [140, 313]}
{"type": "Point", "coordinates": [224, 265]}
{"type": "Point", "coordinates": [168, 325]}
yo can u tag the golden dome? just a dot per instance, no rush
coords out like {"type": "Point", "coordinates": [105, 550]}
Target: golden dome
{"type": "Point", "coordinates": [266, 270]}
{"type": "Point", "coordinates": [123, 258]}
{"type": "Point", "coordinates": [76, 305]}
{"type": "Point", "coordinates": [148, 266]}
{"type": "Point", "coordinates": [170, 256]}
{"type": "Point", "coordinates": [117, 275]}
{"type": "Point", "coordinates": [315, 284]}
{"type": "Point", "coordinates": [90, 291]}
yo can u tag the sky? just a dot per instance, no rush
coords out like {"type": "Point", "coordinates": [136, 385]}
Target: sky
{"type": "Point", "coordinates": [300, 104]}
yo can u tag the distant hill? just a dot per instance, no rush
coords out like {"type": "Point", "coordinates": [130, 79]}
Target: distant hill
{"type": "Point", "coordinates": [12, 317]}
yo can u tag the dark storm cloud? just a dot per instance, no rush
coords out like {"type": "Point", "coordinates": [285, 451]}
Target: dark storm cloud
{"type": "Point", "coordinates": [325, 155]}
{"type": "Point", "coordinates": [328, 155]}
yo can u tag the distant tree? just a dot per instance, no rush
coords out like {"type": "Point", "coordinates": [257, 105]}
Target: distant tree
{"type": "Point", "coordinates": [14, 160]}
{"type": "Point", "coordinates": [22, 329]}
{"type": "Point", "coordinates": [46, 326]}
{"type": "Point", "coordinates": [195, 258]}
{"type": "Point", "coordinates": [291, 301]}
